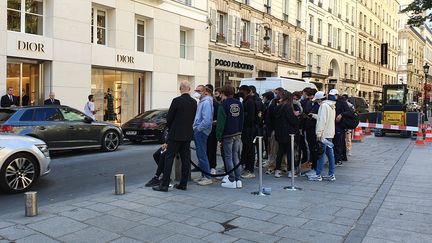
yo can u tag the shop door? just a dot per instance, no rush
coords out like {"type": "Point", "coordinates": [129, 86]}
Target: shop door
{"type": "Point", "coordinates": [25, 79]}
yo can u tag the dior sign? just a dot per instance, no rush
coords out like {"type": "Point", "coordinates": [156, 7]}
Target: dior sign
{"type": "Point", "coordinates": [30, 46]}
{"type": "Point", "coordinates": [125, 59]}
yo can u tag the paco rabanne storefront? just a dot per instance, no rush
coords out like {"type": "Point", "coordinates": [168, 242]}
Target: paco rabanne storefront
{"type": "Point", "coordinates": [230, 69]}
{"type": "Point", "coordinates": [119, 94]}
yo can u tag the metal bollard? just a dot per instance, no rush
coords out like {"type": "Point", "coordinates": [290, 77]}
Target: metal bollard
{"type": "Point", "coordinates": [31, 208]}
{"type": "Point", "coordinates": [120, 184]}
{"type": "Point", "coordinates": [292, 187]}
{"type": "Point", "coordinates": [260, 170]}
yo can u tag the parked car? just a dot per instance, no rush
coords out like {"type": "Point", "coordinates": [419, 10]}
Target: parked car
{"type": "Point", "coordinates": [60, 127]}
{"type": "Point", "coordinates": [22, 161]}
{"type": "Point", "coordinates": [149, 125]}
{"type": "Point", "coordinates": [360, 104]}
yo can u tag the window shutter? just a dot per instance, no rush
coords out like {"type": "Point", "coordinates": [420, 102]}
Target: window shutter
{"type": "Point", "coordinates": [260, 39]}
{"type": "Point", "coordinates": [280, 39]}
{"type": "Point", "coordinates": [273, 42]}
{"type": "Point", "coordinates": [230, 30]}
{"type": "Point", "coordinates": [252, 37]}
{"type": "Point", "coordinates": [237, 34]}
{"type": "Point", "coordinates": [215, 24]}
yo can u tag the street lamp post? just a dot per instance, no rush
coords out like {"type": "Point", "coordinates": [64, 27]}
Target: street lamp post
{"type": "Point", "coordinates": [426, 71]}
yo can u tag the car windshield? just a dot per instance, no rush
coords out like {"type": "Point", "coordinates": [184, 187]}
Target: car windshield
{"type": "Point", "coordinates": [5, 114]}
{"type": "Point", "coordinates": [152, 115]}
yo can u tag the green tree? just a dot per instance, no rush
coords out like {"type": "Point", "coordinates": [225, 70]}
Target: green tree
{"type": "Point", "coordinates": [418, 9]}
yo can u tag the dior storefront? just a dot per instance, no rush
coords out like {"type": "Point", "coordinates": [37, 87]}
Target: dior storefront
{"type": "Point", "coordinates": [229, 69]}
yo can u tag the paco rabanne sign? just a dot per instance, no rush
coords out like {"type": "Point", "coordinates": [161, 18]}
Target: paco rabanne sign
{"type": "Point", "coordinates": [233, 64]}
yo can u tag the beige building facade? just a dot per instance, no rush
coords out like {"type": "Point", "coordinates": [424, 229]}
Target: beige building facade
{"type": "Point", "coordinates": [130, 54]}
{"type": "Point", "coordinates": [255, 38]}
{"type": "Point", "coordinates": [331, 45]}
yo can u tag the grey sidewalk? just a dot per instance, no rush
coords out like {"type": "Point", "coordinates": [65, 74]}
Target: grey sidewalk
{"type": "Point", "coordinates": [322, 212]}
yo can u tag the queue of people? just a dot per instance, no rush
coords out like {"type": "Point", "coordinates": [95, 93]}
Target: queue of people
{"type": "Point", "coordinates": [230, 121]}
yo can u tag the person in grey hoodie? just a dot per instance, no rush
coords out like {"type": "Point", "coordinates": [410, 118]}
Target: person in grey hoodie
{"type": "Point", "coordinates": [325, 131]}
{"type": "Point", "coordinates": [202, 127]}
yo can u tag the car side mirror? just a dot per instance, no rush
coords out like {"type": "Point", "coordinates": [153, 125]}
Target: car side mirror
{"type": "Point", "coordinates": [88, 119]}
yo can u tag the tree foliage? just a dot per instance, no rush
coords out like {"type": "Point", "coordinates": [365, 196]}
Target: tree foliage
{"type": "Point", "coordinates": [418, 10]}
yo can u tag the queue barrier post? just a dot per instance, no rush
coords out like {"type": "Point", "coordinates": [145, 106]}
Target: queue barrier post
{"type": "Point", "coordinates": [260, 169]}
{"type": "Point", "coordinates": [31, 208]}
{"type": "Point", "coordinates": [120, 187]}
{"type": "Point", "coordinates": [292, 187]}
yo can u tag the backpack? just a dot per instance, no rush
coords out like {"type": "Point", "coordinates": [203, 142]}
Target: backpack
{"type": "Point", "coordinates": [351, 121]}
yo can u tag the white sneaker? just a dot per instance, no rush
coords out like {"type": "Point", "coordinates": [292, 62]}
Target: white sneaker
{"type": "Point", "coordinates": [198, 179]}
{"type": "Point", "coordinates": [290, 174]}
{"type": "Point", "coordinates": [311, 173]}
{"type": "Point", "coordinates": [239, 184]}
{"type": "Point", "coordinates": [225, 179]}
{"type": "Point", "coordinates": [205, 181]}
{"type": "Point", "coordinates": [213, 171]}
{"type": "Point", "coordinates": [349, 154]}
{"type": "Point", "coordinates": [229, 184]}
{"type": "Point", "coordinates": [248, 175]}
{"type": "Point", "coordinates": [278, 173]}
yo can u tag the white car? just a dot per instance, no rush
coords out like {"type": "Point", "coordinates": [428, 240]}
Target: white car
{"type": "Point", "coordinates": [22, 160]}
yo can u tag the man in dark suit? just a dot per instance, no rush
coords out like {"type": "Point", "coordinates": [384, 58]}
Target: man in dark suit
{"type": "Point", "coordinates": [52, 100]}
{"type": "Point", "coordinates": [180, 118]}
{"type": "Point", "coordinates": [9, 100]}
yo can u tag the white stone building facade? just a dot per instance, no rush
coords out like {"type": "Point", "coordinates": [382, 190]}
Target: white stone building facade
{"type": "Point", "coordinates": [137, 50]}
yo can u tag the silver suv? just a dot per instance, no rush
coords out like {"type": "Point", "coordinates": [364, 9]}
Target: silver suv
{"type": "Point", "coordinates": [22, 160]}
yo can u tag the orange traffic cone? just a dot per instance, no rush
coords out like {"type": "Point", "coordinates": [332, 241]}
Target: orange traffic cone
{"type": "Point", "coordinates": [420, 140]}
{"type": "Point", "coordinates": [368, 131]}
{"type": "Point", "coordinates": [428, 134]}
{"type": "Point", "coordinates": [357, 135]}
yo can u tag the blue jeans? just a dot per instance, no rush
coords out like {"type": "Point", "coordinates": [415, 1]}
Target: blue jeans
{"type": "Point", "coordinates": [330, 155]}
{"type": "Point", "coordinates": [201, 152]}
{"type": "Point", "coordinates": [231, 151]}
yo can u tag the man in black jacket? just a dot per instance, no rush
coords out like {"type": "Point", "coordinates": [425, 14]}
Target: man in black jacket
{"type": "Point", "coordinates": [342, 109]}
{"type": "Point", "coordinates": [9, 99]}
{"type": "Point", "coordinates": [52, 100]}
{"type": "Point", "coordinates": [180, 119]}
{"type": "Point", "coordinates": [248, 134]}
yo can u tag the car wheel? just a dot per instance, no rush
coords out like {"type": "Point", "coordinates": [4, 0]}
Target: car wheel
{"type": "Point", "coordinates": [110, 141]}
{"type": "Point", "coordinates": [18, 173]}
{"type": "Point", "coordinates": [163, 136]}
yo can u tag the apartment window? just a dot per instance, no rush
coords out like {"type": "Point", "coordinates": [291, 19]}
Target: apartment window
{"type": "Point", "coordinates": [186, 2]}
{"type": "Point", "coordinates": [346, 70]}
{"type": "Point", "coordinates": [298, 50]}
{"type": "Point", "coordinates": [309, 65]}
{"type": "Point", "coordinates": [364, 50]}
{"type": "Point", "coordinates": [286, 10]}
{"type": "Point", "coordinates": [339, 39]}
{"type": "Point", "coordinates": [245, 31]}
{"type": "Point", "coordinates": [347, 12]}
{"type": "Point", "coordinates": [352, 45]}
{"type": "Point", "coordinates": [318, 63]}
{"type": "Point", "coordinates": [183, 44]}
{"type": "Point", "coordinates": [360, 49]}
{"type": "Point", "coordinates": [245, 1]}
{"type": "Point", "coordinates": [267, 7]}
{"type": "Point", "coordinates": [311, 27]}
{"type": "Point", "coordinates": [319, 31]}
{"type": "Point", "coordinates": [286, 47]}
{"type": "Point", "coordinates": [140, 35]}
{"type": "Point", "coordinates": [25, 16]}
{"type": "Point", "coordinates": [351, 71]}
{"type": "Point", "coordinates": [222, 25]}
{"type": "Point", "coordinates": [330, 33]}
{"type": "Point", "coordinates": [98, 26]}
{"type": "Point", "coordinates": [346, 42]}
{"type": "Point", "coordinates": [361, 19]}
{"type": "Point", "coordinates": [299, 12]}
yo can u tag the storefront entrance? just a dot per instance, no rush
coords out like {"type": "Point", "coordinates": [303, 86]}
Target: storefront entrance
{"type": "Point", "coordinates": [119, 95]}
{"type": "Point", "coordinates": [227, 77]}
{"type": "Point", "coordinates": [25, 77]}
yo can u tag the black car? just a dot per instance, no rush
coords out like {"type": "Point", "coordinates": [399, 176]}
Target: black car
{"type": "Point", "coordinates": [60, 127]}
{"type": "Point", "coordinates": [150, 126]}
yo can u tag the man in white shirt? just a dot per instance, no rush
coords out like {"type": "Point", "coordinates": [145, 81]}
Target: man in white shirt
{"type": "Point", "coordinates": [89, 108]}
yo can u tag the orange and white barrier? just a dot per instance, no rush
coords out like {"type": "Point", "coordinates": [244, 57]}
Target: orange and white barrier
{"type": "Point", "coordinates": [428, 134]}
{"type": "Point", "coordinates": [389, 127]}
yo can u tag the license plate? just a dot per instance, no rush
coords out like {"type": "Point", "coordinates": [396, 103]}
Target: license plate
{"type": "Point", "coordinates": [131, 133]}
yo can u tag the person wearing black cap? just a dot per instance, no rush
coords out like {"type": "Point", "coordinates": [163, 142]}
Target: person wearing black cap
{"type": "Point", "coordinates": [248, 134]}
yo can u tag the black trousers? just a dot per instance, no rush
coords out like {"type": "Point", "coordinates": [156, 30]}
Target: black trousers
{"type": "Point", "coordinates": [159, 158]}
{"type": "Point", "coordinates": [284, 149]}
{"type": "Point", "coordinates": [212, 149]}
{"type": "Point", "coordinates": [304, 153]}
{"type": "Point", "coordinates": [248, 150]}
{"type": "Point", "coordinates": [339, 144]}
{"type": "Point", "coordinates": [174, 147]}
{"type": "Point", "coordinates": [312, 143]}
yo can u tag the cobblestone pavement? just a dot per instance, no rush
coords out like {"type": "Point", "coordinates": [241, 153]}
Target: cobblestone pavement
{"type": "Point", "coordinates": [381, 195]}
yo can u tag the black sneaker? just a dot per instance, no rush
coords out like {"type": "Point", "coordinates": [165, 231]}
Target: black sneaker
{"type": "Point", "coordinates": [153, 182]}
{"type": "Point", "coordinates": [339, 163]}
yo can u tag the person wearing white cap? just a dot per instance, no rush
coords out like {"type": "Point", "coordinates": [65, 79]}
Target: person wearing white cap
{"type": "Point", "coordinates": [325, 131]}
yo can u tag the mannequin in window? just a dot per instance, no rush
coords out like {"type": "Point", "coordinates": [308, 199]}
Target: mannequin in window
{"type": "Point", "coordinates": [109, 112]}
